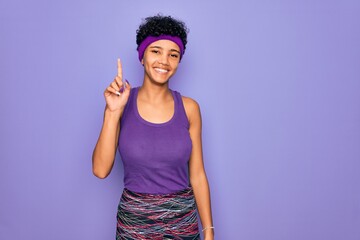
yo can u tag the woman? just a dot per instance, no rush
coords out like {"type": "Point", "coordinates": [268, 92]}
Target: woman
{"type": "Point", "coordinates": [158, 134]}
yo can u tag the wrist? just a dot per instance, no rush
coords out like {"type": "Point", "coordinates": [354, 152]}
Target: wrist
{"type": "Point", "coordinates": [113, 113]}
{"type": "Point", "coordinates": [112, 117]}
{"type": "Point", "coordinates": [208, 232]}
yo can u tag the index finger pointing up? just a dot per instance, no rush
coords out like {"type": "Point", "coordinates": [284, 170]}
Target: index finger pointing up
{"type": "Point", "coordinates": [119, 68]}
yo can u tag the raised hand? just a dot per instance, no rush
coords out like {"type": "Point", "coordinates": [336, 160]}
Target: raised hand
{"type": "Point", "coordinates": [117, 93]}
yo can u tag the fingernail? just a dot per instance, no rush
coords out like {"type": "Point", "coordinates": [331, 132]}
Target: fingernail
{"type": "Point", "coordinates": [121, 89]}
{"type": "Point", "coordinates": [117, 93]}
{"type": "Point", "coordinates": [127, 81]}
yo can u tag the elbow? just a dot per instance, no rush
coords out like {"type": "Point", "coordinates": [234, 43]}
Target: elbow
{"type": "Point", "coordinates": [100, 168]}
{"type": "Point", "coordinates": [100, 174]}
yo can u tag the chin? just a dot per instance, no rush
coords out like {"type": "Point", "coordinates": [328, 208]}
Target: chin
{"type": "Point", "coordinates": [161, 83]}
{"type": "Point", "coordinates": [161, 80]}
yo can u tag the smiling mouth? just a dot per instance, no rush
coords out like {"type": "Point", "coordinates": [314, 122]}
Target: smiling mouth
{"type": "Point", "coordinates": [161, 70]}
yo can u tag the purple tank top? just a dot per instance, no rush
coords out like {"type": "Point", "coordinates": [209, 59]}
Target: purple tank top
{"type": "Point", "coordinates": [155, 155]}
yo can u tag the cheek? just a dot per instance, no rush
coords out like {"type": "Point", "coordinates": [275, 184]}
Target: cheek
{"type": "Point", "coordinates": [149, 59]}
{"type": "Point", "coordinates": [175, 65]}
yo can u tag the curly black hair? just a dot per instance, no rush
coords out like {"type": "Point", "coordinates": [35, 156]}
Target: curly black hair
{"type": "Point", "coordinates": [162, 25]}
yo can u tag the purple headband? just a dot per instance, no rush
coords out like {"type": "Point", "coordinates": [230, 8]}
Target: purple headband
{"type": "Point", "coordinates": [150, 39]}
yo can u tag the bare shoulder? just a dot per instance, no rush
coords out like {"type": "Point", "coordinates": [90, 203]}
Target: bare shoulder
{"type": "Point", "coordinates": [192, 108]}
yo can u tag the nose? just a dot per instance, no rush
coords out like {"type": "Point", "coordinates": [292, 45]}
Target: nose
{"type": "Point", "coordinates": [163, 59]}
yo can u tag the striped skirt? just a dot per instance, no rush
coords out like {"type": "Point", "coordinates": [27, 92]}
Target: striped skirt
{"type": "Point", "coordinates": [157, 217]}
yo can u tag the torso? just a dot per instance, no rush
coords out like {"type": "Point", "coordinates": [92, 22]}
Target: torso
{"type": "Point", "coordinates": [155, 146]}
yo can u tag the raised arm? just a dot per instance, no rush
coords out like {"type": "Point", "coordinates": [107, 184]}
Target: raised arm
{"type": "Point", "coordinates": [116, 97]}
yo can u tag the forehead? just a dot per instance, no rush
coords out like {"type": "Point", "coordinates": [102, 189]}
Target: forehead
{"type": "Point", "coordinates": [165, 44]}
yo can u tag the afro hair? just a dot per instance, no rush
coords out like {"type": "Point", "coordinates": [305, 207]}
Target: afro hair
{"type": "Point", "coordinates": [161, 25]}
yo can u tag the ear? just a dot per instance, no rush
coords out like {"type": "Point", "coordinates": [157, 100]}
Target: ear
{"type": "Point", "coordinates": [142, 61]}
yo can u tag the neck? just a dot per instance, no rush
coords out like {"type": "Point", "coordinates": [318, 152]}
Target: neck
{"type": "Point", "coordinates": [153, 92]}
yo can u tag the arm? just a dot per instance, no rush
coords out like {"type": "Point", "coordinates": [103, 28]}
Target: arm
{"type": "Point", "coordinates": [105, 149]}
{"type": "Point", "coordinates": [198, 179]}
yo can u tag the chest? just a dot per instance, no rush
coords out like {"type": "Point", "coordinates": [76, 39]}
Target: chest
{"type": "Point", "coordinates": [156, 113]}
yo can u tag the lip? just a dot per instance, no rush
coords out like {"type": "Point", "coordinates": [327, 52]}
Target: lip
{"type": "Point", "coordinates": [161, 70]}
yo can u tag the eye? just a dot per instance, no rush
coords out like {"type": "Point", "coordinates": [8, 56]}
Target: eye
{"type": "Point", "coordinates": [174, 55]}
{"type": "Point", "coordinates": [155, 51]}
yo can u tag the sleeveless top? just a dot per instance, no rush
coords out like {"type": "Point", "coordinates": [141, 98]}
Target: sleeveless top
{"type": "Point", "coordinates": [155, 155]}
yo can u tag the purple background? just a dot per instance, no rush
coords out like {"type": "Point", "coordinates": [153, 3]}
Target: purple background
{"type": "Point", "coordinates": [278, 83]}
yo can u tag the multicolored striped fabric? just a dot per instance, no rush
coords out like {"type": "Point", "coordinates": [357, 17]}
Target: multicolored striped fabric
{"type": "Point", "coordinates": [157, 217]}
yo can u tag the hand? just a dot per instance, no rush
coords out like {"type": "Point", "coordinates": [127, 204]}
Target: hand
{"type": "Point", "coordinates": [117, 94]}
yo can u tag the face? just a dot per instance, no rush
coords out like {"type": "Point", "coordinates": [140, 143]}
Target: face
{"type": "Point", "coordinates": [161, 59]}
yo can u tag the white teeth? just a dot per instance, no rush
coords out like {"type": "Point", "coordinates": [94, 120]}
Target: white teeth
{"type": "Point", "coordinates": [161, 70]}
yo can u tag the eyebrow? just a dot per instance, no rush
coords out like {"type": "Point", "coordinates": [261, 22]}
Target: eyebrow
{"type": "Point", "coordinates": [171, 50]}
